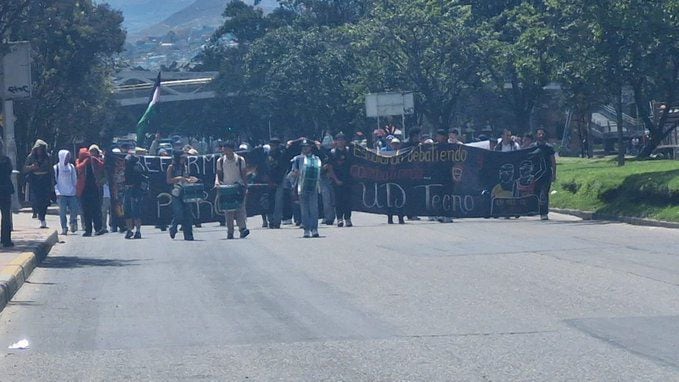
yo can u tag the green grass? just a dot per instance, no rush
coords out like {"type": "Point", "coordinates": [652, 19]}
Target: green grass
{"type": "Point", "coordinates": [646, 189]}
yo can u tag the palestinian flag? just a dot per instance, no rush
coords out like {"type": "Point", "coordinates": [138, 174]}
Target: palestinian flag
{"type": "Point", "coordinates": [151, 110]}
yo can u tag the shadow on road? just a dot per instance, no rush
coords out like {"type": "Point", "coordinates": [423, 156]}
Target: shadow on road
{"type": "Point", "coordinates": [81, 262]}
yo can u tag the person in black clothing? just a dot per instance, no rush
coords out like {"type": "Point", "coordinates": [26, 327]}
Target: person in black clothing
{"type": "Point", "coordinates": [136, 183]}
{"type": "Point", "coordinates": [544, 184]}
{"type": "Point", "coordinates": [39, 170]}
{"type": "Point", "coordinates": [414, 139]}
{"type": "Point", "coordinates": [278, 164]}
{"type": "Point", "coordinates": [6, 192]}
{"type": "Point", "coordinates": [339, 170]}
{"type": "Point", "coordinates": [178, 175]}
{"type": "Point", "coordinates": [90, 176]}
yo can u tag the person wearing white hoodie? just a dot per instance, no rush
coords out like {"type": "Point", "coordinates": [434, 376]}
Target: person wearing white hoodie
{"type": "Point", "coordinates": [65, 188]}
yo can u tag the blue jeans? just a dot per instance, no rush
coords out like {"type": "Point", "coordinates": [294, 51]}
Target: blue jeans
{"type": "Point", "coordinates": [276, 197]}
{"type": "Point", "coordinates": [182, 214]}
{"type": "Point", "coordinates": [308, 203]}
{"type": "Point", "coordinates": [328, 194]}
{"type": "Point", "coordinates": [68, 204]}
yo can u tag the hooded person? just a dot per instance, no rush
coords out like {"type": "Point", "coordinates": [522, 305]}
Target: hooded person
{"type": "Point", "coordinates": [6, 192]}
{"type": "Point", "coordinates": [90, 177]}
{"type": "Point", "coordinates": [38, 169]}
{"type": "Point", "coordinates": [65, 187]}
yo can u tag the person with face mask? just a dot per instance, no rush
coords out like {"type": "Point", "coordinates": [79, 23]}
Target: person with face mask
{"type": "Point", "coordinates": [6, 192]}
{"type": "Point", "coordinates": [65, 188]}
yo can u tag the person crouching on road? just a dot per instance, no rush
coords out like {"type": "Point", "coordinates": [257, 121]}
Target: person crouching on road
{"type": "Point", "coordinates": [177, 176]}
{"type": "Point", "coordinates": [66, 190]}
{"type": "Point", "coordinates": [306, 168]}
{"type": "Point", "coordinates": [90, 173]}
{"type": "Point", "coordinates": [231, 170]}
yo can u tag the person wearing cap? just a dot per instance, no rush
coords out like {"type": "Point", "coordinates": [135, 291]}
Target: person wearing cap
{"type": "Point", "coordinates": [231, 170]}
{"type": "Point", "coordinates": [177, 175]}
{"type": "Point", "coordinates": [90, 174]}
{"type": "Point", "coordinates": [339, 170]}
{"type": "Point", "coordinates": [6, 192]}
{"type": "Point", "coordinates": [277, 166]}
{"type": "Point", "coordinates": [38, 167]}
{"type": "Point", "coordinates": [306, 169]}
{"type": "Point", "coordinates": [392, 147]}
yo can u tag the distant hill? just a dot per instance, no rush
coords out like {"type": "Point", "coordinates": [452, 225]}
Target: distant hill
{"type": "Point", "coordinates": [197, 14]}
{"type": "Point", "coordinates": [140, 14]}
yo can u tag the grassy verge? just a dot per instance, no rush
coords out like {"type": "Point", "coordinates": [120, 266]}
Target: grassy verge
{"type": "Point", "coordinates": [646, 189]}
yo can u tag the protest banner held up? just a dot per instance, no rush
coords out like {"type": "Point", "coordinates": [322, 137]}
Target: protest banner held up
{"type": "Point", "coordinates": [428, 180]}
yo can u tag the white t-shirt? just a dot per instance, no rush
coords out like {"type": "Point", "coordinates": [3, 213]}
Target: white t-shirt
{"type": "Point", "coordinates": [231, 169]}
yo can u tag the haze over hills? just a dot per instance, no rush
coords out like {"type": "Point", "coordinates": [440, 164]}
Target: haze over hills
{"type": "Point", "coordinates": [140, 14]}
{"type": "Point", "coordinates": [155, 18]}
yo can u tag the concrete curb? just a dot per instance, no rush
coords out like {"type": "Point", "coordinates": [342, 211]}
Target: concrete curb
{"type": "Point", "coordinates": [14, 274]}
{"type": "Point", "coordinates": [590, 215]}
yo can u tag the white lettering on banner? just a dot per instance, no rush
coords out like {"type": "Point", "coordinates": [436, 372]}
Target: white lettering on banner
{"type": "Point", "coordinates": [446, 202]}
{"type": "Point", "coordinates": [165, 163]}
{"type": "Point", "coordinates": [210, 162]}
{"type": "Point", "coordinates": [160, 204]}
{"type": "Point", "coordinates": [194, 168]}
{"type": "Point", "coordinates": [384, 191]}
{"type": "Point", "coordinates": [148, 164]}
{"type": "Point", "coordinates": [375, 197]}
{"type": "Point", "coordinates": [394, 203]}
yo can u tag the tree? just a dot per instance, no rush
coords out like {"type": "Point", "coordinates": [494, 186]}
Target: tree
{"type": "Point", "coordinates": [519, 56]}
{"type": "Point", "coordinates": [425, 46]}
{"type": "Point", "coordinates": [73, 44]}
{"type": "Point", "coordinates": [637, 42]}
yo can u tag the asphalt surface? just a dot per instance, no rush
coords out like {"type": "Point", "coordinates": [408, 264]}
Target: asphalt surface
{"type": "Point", "coordinates": [476, 300]}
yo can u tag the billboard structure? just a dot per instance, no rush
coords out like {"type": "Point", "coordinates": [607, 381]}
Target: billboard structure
{"type": "Point", "coordinates": [389, 104]}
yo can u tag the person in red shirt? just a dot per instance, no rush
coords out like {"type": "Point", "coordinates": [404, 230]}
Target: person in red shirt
{"type": "Point", "coordinates": [90, 176]}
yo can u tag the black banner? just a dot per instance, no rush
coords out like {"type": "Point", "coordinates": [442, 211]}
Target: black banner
{"type": "Point", "coordinates": [451, 180]}
{"type": "Point", "coordinates": [429, 180]}
{"type": "Point", "coordinates": [157, 204]}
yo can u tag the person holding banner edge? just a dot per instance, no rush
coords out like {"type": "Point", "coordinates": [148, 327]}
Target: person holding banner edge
{"type": "Point", "coordinates": [177, 176]}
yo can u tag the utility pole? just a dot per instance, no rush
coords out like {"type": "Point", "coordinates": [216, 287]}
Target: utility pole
{"type": "Point", "coordinates": [15, 77]}
{"type": "Point", "coordinates": [11, 147]}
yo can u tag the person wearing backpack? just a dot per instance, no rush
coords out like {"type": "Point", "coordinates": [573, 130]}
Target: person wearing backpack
{"type": "Point", "coordinates": [231, 171]}
{"type": "Point", "coordinates": [65, 187]}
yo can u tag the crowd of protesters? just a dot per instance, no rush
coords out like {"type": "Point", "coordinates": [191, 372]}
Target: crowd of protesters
{"type": "Point", "coordinates": [307, 181]}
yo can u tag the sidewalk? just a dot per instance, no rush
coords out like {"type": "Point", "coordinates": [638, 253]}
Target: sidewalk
{"type": "Point", "coordinates": [32, 245]}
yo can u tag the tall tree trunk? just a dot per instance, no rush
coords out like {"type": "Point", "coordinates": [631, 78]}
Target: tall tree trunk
{"type": "Point", "coordinates": [619, 121]}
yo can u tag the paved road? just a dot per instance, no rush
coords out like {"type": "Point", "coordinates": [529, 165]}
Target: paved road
{"type": "Point", "coordinates": [477, 300]}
